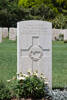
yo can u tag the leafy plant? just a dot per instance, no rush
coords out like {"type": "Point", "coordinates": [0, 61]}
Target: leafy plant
{"type": "Point", "coordinates": [30, 86]}
{"type": "Point", "coordinates": [5, 93]}
{"type": "Point", "coordinates": [59, 21]}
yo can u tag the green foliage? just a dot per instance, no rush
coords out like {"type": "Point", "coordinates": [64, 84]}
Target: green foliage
{"type": "Point", "coordinates": [5, 93]}
{"type": "Point", "coordinates": [30, 3]}
{"type": "Point", "coordinates": [44, 11]}
{"type": "Point", "coordinates": [4, 4]}
{"type": "Point", "coordinates": [30, 87]}
{"type": "Point", "coordinates": [12, 15]}
{"type": "Point", "coordinates": [12, 11]}
{"type": "Point", "coordinates": [59, 21]}
{"type": "Point", "coordinates": [60, 1]}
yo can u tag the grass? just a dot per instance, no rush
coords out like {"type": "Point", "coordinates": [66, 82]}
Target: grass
{"type": "Point", "coordinates": [59, 64]}
{"type": "Point", "coordinates": [8, 59]}
{"type": "Point", "coordinates": [8, 62]}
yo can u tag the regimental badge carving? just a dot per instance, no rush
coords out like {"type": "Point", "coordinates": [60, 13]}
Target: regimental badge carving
{"type": "Point", "coordinates": [36, 53]}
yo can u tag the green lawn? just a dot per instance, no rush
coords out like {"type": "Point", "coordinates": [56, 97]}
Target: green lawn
{"type": "Point", "coordinates": [59, 64]}
{"type": "Point", "coordinates": [8, 59]}
{"type": "Point", "coordinates": [8, 62]}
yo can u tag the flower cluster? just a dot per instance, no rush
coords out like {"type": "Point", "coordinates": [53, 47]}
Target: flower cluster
{"type": "Point", "coordinates": [30, 85]}
{"type": "Point", "coordinates": [22, 76]}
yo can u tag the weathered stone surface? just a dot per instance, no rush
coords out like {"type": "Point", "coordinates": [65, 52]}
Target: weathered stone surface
{"type": "Point", "coordinates": [34, 47]}
{"type": "Point", "coordinates": [0, 35]}
{"type": "Point", "coordinates": [12, 33]}
{"type": "Point", "coordinates": [65, 35]}
{"type": "Point", "coordinates": [5, 32]}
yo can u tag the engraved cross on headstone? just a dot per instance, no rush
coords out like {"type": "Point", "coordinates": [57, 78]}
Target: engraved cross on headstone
{"type": "Point", "coordinates": [35, 52]}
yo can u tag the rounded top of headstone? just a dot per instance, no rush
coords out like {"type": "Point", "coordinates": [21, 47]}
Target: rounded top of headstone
{"type": "Point", "coordinates": [0, 27]}
{"type": "Point", "coordinates": [36, 23]}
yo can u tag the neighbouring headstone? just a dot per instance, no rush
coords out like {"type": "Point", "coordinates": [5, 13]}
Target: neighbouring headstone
{"type": "Point", "coordinates": [34, 47]}
{"type": "Point", "coordinates": [61, 31]}
{"type": "Point", "coordinates": [0, 35]}
{"type": "Point", "coordinates": [65, 35]}
{"type": "Point", "coordinates": [55, 34]}
{"type": "Point", "coordinates": [12, 33]}
{"type": "Point", "coordinates": [5, 32]}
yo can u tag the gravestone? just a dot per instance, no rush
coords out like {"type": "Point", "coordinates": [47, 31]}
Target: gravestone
{"type": "Point", "coordinates": [65, 35]}
{"type": "Point", "coordinates": [34, 48]}
{"type": "Point", "coordinates": [0, 35]}
{"type": "Point", "coordinates": [61, 31]}
{"type": "Point", "coordinates": [55, 34]}
{"type": "Point", "coordinates": [5, 32]}
{"type": "Point", "coordinates": [12, 33]}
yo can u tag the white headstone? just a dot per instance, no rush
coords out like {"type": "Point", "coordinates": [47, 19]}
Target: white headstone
{"type": "Point", "coordinates": [0, 35]}
{"type": "Point", "coordinates": [12, 33]}
{"type": "Point", "coordinates": [34, 47]}
{"type": "Point", "coordinates": [61, 31]}
{"type": "Point", "coordinates": [5, 32]}
{"type": "Point", "coordinates": [65, 35]}
{"type": "Point", "coordinates": [55, 34]}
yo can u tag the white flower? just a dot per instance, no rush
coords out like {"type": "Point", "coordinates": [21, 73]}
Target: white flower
{"type": "Point", "coordinates": [25, 75]}
{"type": "Point", "coordinates": [46, 82]}
{"type": "Point", "coordinates": [21, 74]}
{"type": "Point", "coordinates": [17, 74]}
{"type": "Point", "coordinates": [29, 72]}
{"type": "Point", "coordinates": [41, 75]}
{"type": "Point", "coordinates": [8, 81]}
{"type": "Point", "coordinates": [36, 88]}
{"type": "Point", "coordinates": [21, 78]}
{"type": "Point", "coordinates": [44, 78]}
{"type": "Point", "coordinates": [35, 74]}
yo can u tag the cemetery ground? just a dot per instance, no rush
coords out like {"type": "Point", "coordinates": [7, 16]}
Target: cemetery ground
{"type": "Point", "coordinates": [8, 62]}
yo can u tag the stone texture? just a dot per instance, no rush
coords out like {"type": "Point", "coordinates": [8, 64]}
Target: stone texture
{"type": "Point", "coordinates": [5, 32]}
{"type": "Point", "coordinates": [12, 33]}
{"type": "Point", "coordinates": [65, 35]}
{"type": "Point", "coordinates": [34, 47]}
{"type": "Point", "coordinates": [0, 35]}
